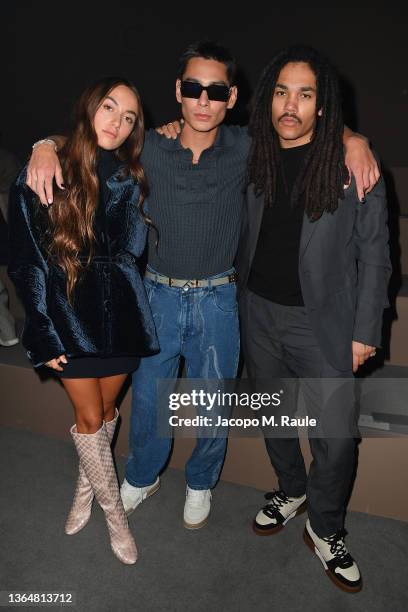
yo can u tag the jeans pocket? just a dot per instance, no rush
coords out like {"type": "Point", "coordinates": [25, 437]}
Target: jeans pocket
{"type": "Point", "coordinates": [150, 287]}
{"type": "Point", "coordinates": [225, 297]}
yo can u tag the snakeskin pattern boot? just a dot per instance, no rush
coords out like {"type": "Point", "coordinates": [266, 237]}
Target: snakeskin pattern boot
{"type": "Point", "coordinates": [96, 457]}
{"type": "Point", "coordinates": [80, 512]}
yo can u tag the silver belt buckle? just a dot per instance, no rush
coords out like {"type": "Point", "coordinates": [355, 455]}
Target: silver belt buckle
{"type": "Point", "coordinates": [190, 284]}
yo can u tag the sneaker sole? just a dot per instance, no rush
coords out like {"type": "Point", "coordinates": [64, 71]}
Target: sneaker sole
{"type": "Point", "coordinates": [344, 587]}
{"type": "Point", "coordinates": [12, 342]}
{"type": "Point", "coordinates": [196, 525]}
{"type": "Point", "coordinates": [149, 494]}
{"type": "Point", "coordinates": [266, 531]}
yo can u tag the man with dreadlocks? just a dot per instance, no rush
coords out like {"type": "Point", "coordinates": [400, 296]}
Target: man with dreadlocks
{"type": "Point", "coordinates": [313, 269]}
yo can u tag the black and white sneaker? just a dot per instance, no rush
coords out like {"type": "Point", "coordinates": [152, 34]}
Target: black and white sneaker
{"type": "Point", "coordinates": [277, 512]}
{"type": "Point", "coordinates": [339, 565]}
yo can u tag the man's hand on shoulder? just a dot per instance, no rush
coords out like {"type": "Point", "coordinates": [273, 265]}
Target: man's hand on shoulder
{"type": "Point", "coordinates": [43, 167]}
{"type": "Point", "coordinates": [171, 130]}
{"type": "Point", "coordinates": [361, 163]}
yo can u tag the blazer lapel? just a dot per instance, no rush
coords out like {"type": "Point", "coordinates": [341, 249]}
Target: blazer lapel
{"type": "Point", "coordinates": [308, 229]}
{"type": "Point", "coordinates": [255, 214]}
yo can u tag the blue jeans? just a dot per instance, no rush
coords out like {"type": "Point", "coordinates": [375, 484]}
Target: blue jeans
{"type": "Point", "coordinates": [200, 324]}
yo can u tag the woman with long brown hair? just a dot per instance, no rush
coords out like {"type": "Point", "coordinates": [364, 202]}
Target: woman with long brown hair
{"type": "Point", "coordinates": [75, 266]}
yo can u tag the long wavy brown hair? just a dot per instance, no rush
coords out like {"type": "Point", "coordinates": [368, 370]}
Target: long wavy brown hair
{"type": "Point", "coordinates": [72, 214]}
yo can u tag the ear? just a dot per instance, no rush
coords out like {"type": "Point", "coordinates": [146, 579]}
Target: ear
{"type": "Point", "coordinates": [178, 92]}
{"type": "Point", "coordinates": [232, 97]}
{"type": "Point", "coordinates": [320, 112]}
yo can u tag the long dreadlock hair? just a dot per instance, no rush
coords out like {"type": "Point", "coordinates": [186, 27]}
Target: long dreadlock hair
{"type": "Point", "coordinates": [323, 173]}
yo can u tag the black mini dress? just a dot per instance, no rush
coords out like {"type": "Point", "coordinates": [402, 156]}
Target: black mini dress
{"type": "Point", "coordinates": [98, 367]}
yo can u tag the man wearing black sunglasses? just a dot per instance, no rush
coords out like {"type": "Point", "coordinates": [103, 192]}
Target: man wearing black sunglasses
{"type": "Point", "coordinates": [217, 92]}
{"type": "Point", "coordinates": [196, 183]}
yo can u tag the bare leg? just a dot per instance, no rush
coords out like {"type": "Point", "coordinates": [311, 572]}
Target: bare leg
{"type": "Point", "coordinates": [86, 397]}
{"type": "Point", "coordinates": [110, 387]}
{"type": "Point", "coordinates": [93, 400]}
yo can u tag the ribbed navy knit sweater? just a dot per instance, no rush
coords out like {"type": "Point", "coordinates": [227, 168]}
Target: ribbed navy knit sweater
{"type": "Point", "coordinates": [195, 207]}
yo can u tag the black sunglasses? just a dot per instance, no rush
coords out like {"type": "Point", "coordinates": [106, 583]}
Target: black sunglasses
{"type": "Point", "coordinates": [217, 93]}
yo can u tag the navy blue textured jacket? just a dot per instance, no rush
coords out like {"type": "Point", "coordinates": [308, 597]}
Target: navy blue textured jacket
{"type": "Point", "coordinates": [110, 313]}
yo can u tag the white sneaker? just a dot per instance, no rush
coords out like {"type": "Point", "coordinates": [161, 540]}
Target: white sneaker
{"type": "Point", "coordinates": [132, 496]}
{"type": "Point", "coordinates": [339, 565]}
{"type": "Point", "coordinates": [196, 508]}
{"type": "Point", "coordinates": [11, 342]}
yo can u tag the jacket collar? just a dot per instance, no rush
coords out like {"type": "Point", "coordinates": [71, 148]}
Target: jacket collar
{"type": "Point", "coordinates": [120, 188]}
{"type": "Point", "coordinates": [116, 183]}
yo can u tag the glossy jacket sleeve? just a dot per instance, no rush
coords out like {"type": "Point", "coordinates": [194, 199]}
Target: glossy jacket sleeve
{"type": "Point", "coordinates": [29, 271]}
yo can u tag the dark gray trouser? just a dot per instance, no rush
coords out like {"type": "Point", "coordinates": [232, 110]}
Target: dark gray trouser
{"type": "Point", "coordinates": [7, 324]}
{"type": "Point", "coordinates": [279, 343]}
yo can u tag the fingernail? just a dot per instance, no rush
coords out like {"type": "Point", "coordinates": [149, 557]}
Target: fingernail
{"type": "Point", "coordinates": [363, 200]}
{"type": "Point", "coordinates": [49, 201]}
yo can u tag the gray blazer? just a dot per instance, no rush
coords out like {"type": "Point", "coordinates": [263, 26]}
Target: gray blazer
{"type": "Point", "coordinates": [344, 269]}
